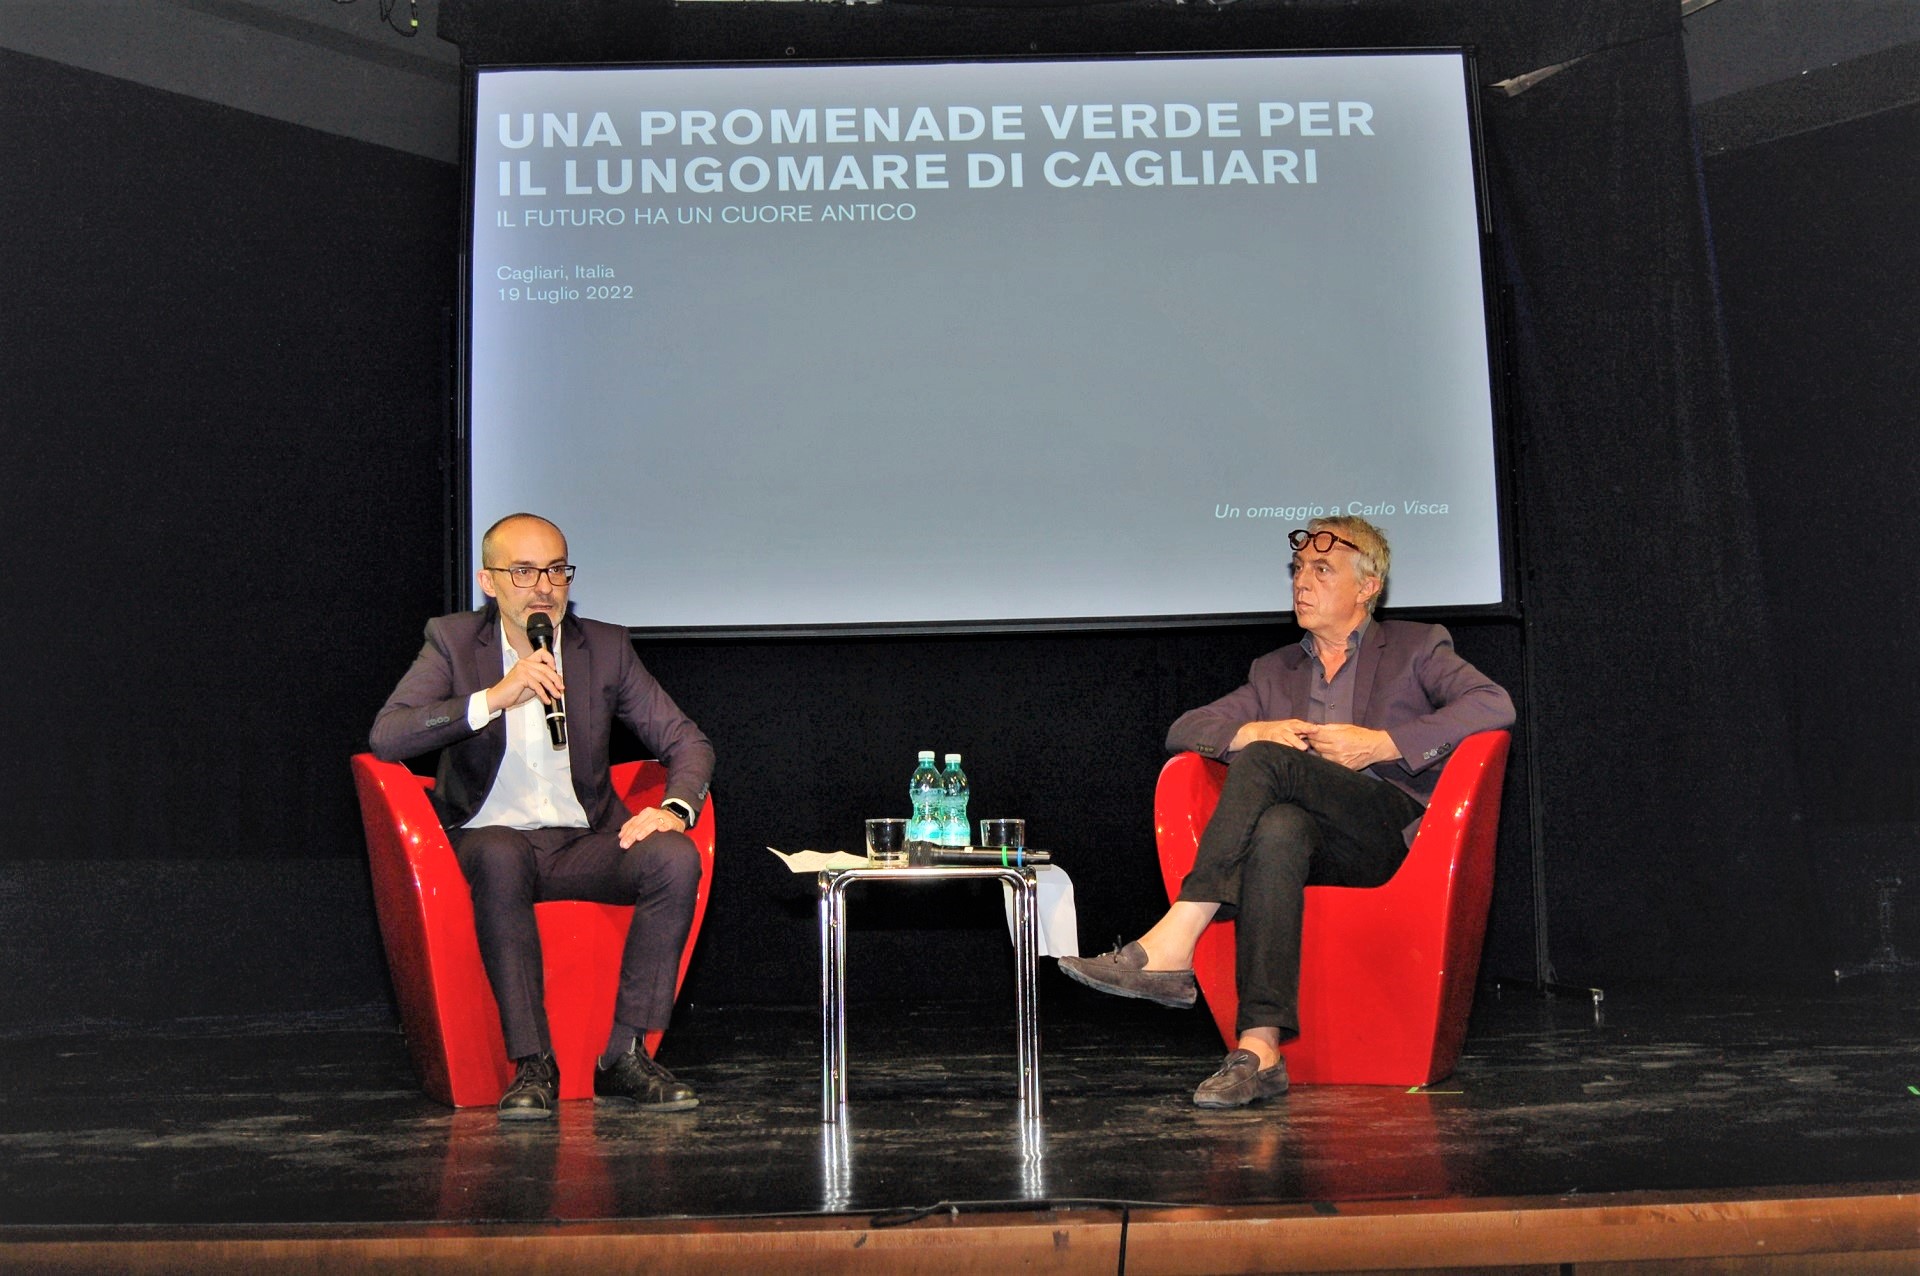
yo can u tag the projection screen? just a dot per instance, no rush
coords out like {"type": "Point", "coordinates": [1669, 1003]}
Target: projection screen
{"type": "Point", "coordinates": [983, 344]}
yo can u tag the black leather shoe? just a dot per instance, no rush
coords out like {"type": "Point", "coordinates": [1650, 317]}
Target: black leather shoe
{"type": "Point", "coordinates": [535, 1089]}
{"type": "Point", "coordinates": [1241, 1081]}
{"type": "Point", "coordinates": [634, 1076]}
{"type": "Point", "coordinates": [1123, 973]}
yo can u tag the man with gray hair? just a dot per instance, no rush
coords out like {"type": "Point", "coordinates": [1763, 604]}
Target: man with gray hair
{"type": "Point", "coordinates": [1333, 748]}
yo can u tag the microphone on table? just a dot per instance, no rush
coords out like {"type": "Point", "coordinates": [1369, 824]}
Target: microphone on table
{"type": "Point", "coordinates": [540, 634]}
{"type": "Point", "coordinates": [983, 856]}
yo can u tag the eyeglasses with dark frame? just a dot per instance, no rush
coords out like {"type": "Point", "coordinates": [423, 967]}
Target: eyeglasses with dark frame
{"type": "Point", "coordinates": [525, 577]}
{"type": "Point", "coordinates": [1322, 540]}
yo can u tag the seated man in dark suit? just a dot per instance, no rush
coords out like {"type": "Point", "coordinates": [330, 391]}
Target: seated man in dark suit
{"type": "Point", "coordinates": [532, 814]}
{"type": "Point", "coordinates": [1333, 748]}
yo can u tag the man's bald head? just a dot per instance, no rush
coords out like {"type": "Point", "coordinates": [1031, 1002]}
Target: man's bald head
{"type": "Point", "coordinates": [490, 539]}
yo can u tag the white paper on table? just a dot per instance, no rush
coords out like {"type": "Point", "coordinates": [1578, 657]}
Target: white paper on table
{"type": "Point", "coordinates": [1059, 924]}
{"type": "Point", "coordinates": [815, 861]}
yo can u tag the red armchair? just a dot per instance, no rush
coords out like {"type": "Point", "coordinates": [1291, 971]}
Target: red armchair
{"type": "Point", "coordinates": [426, 922]}
{"type": "Point", "coordinates": [1386, 973]}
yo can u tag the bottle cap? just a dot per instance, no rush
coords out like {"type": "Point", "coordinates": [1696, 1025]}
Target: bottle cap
{"type": "Point", "coordinates": [953, 757]}
{"type": "Point", "coordinates": [927, 754]}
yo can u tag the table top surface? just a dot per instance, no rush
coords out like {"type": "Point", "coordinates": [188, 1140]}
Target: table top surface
{"type": "Point", "coordinates": [929, 872]}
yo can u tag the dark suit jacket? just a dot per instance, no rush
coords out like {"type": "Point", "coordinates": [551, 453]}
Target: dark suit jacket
{"type": "Point", "coordinates": [1408, 682]}
{"type": "Point", "coordinates": [605, 680]}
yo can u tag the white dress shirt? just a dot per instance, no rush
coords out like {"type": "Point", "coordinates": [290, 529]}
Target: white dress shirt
{"type": "Point", "coordinates": [534, 789]}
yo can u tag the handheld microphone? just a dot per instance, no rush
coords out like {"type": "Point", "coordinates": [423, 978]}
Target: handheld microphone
{"type": "Point", "coordinates": [990, 856]}
{"type": "Point", "coordinates": [540, 634]}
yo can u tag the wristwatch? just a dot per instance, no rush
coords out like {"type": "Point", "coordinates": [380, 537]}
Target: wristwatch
{"type": "Point", "coordinates": [682, 809]}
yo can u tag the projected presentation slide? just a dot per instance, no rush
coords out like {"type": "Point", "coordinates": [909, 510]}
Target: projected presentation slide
{"type": "Point", "coordinates": [981, 343]}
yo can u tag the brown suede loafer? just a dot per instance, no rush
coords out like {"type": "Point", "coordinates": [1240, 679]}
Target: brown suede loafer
{"type": "Point", "coordinates": [1240, 1082]}
{"type": "Point", "coordinates": [1123, 973]}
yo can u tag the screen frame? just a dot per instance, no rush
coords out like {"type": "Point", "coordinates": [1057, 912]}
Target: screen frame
{"type": "Point", "coordinates": [457, 496]}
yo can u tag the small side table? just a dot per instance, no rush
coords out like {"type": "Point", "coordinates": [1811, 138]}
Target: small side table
{"type": "Point", "coordinates": [833, 972]}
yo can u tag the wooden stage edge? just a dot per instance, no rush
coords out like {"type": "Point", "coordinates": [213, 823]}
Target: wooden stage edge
{"type": "Point", "coordinates": [1856, 1228]}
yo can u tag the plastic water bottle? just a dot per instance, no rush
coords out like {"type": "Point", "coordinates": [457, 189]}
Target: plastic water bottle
{"type": "Point", "coordinates": [925, 793]}
{"type": "Point", "coordinates": [954, 829]}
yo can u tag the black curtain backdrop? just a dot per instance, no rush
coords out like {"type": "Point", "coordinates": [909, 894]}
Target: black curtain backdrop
{"type": "Point", "coordinates": [226, 398]}
{"type": "Point", "coordinates": [1670, 804]}
{"type": "Point", "coordinates": [1821, 270]}
{"type": "Point", "coordinates": [223, 373]}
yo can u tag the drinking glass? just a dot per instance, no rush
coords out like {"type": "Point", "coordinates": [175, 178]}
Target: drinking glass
{"type": "Point", "coordinates": [887, 841]}
{"type": "Point", "coordinates": [996, 834]}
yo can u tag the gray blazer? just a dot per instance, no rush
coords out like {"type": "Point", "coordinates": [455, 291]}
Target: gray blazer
{"type": "Point", "coordinates": [1408, 682]}
{"type": "Point", "coordinates": [605, 680]}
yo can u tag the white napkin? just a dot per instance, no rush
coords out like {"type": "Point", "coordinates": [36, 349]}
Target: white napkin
{"type": "Point", "coordinates": [1059, 924]}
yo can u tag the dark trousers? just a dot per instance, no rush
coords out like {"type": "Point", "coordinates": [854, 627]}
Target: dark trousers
{"type": "Point", "coordinates": [508, 871]}
{"type": "Point", "coordinates": [1288, 820]}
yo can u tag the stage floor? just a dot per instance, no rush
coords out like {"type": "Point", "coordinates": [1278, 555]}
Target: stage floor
{"type": "Point", "coordinates": [300, 1121]}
